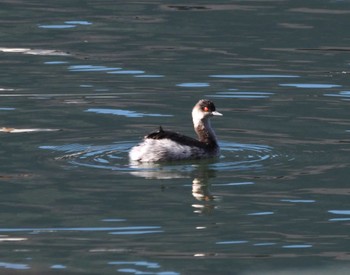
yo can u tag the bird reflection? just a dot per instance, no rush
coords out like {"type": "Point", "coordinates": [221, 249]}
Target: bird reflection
{"type": "Point", "coordinates": [201, 191]}
{"type": "Point", "coordinates": [201, 173]}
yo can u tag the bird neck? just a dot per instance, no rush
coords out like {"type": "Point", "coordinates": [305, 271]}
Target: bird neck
{"type": "Point", "coordinates": [204, 132]}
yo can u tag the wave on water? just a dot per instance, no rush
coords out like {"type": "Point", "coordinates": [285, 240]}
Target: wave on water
{"type": "Point", "coordinates": [234, 157]}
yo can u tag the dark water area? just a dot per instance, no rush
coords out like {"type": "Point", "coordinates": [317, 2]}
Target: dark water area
{"type": "Point", "coordinates": [83, 82]}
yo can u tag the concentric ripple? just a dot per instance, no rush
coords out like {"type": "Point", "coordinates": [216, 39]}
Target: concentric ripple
{"type": "Point", "coordinates": [238, 156]}
{"type": "Point", "coordinates": [111, 156]}
{"type": "Point", "coordinates": [234, 156]}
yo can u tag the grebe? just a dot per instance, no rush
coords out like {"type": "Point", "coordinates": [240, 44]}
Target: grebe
{"type": "Point", "coordinates": [168, 146]}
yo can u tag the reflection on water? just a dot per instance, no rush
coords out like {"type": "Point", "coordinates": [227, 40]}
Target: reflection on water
{"type": "Point", "coordinates": [344, 95]}
{"type": "Point", "coordinates": [114, 157]}
{"type": "Point", "coordinates": [66, 25]}
{"type": "Point", "coordinates": [111, 230]}
{"type": "Point", "coordinates": [89, 68]}
{"type": "Point", "coordinates": [33, 51]}
{"type": "Point", "coordinates": [128, 72]}
{"type": "Point", "coordinates": [138, 267]}
{"type": "Point", "coordinates": [30, 130]}
{"type": "Point", "coordinates": [249, 76]}
{"type": "Point", "coordinates": [14, 266]}
{"type": "Point", "coordinates": [193, 85]}
{"type": "Point", "coordinates": [239, 157]}
{"type": "Point", "coordinates": [200, 190]}
{"type": "Point", "coordinates": [311, 85]}
{"type": "Point", "coordinates": [125, 113]}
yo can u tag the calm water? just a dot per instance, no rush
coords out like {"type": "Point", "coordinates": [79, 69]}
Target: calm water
{"type": "Point", "coordinates": [82, 82]}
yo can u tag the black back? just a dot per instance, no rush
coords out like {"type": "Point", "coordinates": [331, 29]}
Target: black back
{"type": "Point", "coordinates": [181, 139]}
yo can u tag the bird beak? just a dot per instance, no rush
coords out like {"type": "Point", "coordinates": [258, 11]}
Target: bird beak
{"type": "Point", "coordinates": [215, 113]}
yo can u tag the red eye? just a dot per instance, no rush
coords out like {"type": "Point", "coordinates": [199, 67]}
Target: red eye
{"type": "Point", "coordinates": [205, 109]}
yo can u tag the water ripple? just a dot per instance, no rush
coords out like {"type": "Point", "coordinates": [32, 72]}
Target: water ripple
{"type": "Point", "coordinates": [131, 72]}
{"type": "Point", "coordinates": [58, 266]}
{"type": "Point", "coordinates": [150, 267]}
{"type": "Point", "coordinates": [297, 246]}
{"type": "Point", "coordinates": [235, 156]}
{"type": "Point", "coordinates": [261, 213]}
{"type": "Point", "coordinates": [14, 266]}
{"type": "Point", "coordinates": [78, 22]}
{"type": "Point", "coordinates": [91, 68]}
{"type": "Point", "coordinates": [66, 25]}
{"type": "Point", "coordinates": [193, 85]}
{"type": "Point", "coordinates": [297, 201]}
{"type": "Point", "coordinates": [233, 242]}
{"type": "Point", "coordinates": [340, 212]}
{"type": "Point", "coordinates": [63, 26]}
{"type": "Point", "coordinates": [344, 95]}
{"type": "Point", "coordinates": [310, 85]}
{"type": "Point", "coordinates": [113, 230]}
{"type": "Point", "coordinates": [248, 76]}
{"type": "Point", "coordinates": [149, 75]}
{"type": "Point", "coordinates": [125, 113]}
{"type": "Point", "coordinates": [242, 94]}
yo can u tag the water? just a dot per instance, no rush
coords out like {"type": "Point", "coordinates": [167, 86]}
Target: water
{"type": "Point", "coordinates": [83, 82]}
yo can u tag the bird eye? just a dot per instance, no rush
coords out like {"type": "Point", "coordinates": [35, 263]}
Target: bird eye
{"type": "Point", "coordinates": [205, 109]}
